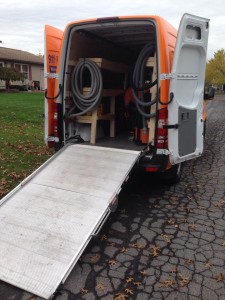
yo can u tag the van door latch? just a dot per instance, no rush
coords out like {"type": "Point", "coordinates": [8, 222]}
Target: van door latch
{"type": "Point", "coordinates": [175, 126]}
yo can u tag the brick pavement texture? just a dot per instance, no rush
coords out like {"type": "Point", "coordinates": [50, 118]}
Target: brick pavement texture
{"type": "Point", "coordinates": [163, 242]}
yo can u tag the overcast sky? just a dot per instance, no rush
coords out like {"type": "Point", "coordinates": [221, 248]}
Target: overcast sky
{"type": "Point", "coordinates": [22, 21]}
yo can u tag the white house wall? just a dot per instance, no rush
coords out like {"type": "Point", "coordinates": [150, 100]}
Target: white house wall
{"type": "Point", "coordinates": [37, 74]}
{"type": "Point", "coordinates": [2, 84]}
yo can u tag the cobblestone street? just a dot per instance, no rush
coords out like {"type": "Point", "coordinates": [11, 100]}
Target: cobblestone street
{"type": "Point", "coordinates": [163, 242]}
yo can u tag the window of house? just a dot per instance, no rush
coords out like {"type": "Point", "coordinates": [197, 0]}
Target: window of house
{"type": "Point", "coordinates": [1, 64]}
{"type": "Point", "coordinates": [25, 70]}
{"type": "Point", "coordinates": [22, 68]}
{"type": "Point", "coordinates": [18, 67]}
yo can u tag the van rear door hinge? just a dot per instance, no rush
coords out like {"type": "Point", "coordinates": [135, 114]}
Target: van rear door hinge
{"type": "Point", "coordinates": [166, 76]}
{"type": "Point", "coordinates": [163, 151]}
{"type": "Point", "coordinates": [174, 126]}
{"type": "Point", "coordinates": [53, 139]}
{"type": "Point", "coordinates": [51, 75]}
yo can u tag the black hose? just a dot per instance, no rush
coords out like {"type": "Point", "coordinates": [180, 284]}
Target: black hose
{"type": "Point", "coordinates": [89, 102]}
{"type": "Point", "coordinates": [138, 82]}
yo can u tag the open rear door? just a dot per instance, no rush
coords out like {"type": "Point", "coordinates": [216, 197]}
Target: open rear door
{"type": "Point", "coordinates": [187, 89]}
{"type": "Point", "coordinates": [53, 39]}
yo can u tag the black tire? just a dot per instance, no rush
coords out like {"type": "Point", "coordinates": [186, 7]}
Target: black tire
{"type": "Point", "coordinates": [204, 129]}
{"type": "Point", "coordinates": [173, 175]}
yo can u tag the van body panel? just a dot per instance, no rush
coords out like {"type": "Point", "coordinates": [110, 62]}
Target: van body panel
{"type": "Point", "coordinates": [187, 90]}
{"type": "Point", "coordinates": [167, 42]}
{"type": "Point", "coordinates": [53, 38]}
{"type": "Point", "coordinates": [171, 53]}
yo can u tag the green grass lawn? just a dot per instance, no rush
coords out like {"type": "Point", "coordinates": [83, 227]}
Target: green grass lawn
{"type": "Point", "coordinates": [21, 137]}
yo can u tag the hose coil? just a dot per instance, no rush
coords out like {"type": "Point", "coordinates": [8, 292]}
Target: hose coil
{"type": "Point", "coordinates": [138, 82]}
{"type": "Point", "coordinates": [86, 103]}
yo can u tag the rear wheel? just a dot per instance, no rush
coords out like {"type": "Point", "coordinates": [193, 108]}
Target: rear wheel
{"type": "Point", "coordinates": [173, 175]}
{"type": "Point", "coordinates": [204, 129]}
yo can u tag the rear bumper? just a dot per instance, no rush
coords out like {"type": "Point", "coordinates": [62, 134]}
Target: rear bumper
{"type": "Point", "coordinates": [158, 163]}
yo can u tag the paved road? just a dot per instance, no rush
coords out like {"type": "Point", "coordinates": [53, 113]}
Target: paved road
{"type": "Point", "coordinates": [164, 242]}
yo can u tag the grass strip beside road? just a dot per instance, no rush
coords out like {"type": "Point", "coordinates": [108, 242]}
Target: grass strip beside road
{"type": "Point", "coordinates": [21, 137]}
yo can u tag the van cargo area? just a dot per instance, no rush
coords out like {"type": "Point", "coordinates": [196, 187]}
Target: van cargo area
{"type": "Point", "coordinates": [107, 67]}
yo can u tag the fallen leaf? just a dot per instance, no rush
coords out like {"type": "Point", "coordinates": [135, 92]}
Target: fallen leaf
{"type": "Point", "coordinates": [192, 226]}
{"type": "Point", "coordinates": [133, 245]}
{"type": "Point", "coordinates": [220, 277]}
{"type": "Point", "coordinates": [123, 211]}
{"type": "Point", "coordinates": [200, 207]}
{"type": "Point", "coordinates": [168, 283]}
{"type": "Point", "coordinates": [136, 283]}
{"type": "Point", "coordinates": [184, 220]}
{"type": "Point", "coordinates": [166, 238]}
{"type": "Point", "coordinates": [221, 203]}
{"type": "Point", "coordinates": [188, 261]}
{"type": "Point", "coordinates": [155, 251]}
{"type": "Point", "coordinates": [183, 280]}
{"type": "Point", "coordinates": [112, 262]}
{"type": "Point", "coordinates": [103, 237]}
{"type": "Point", "coordinates": [173, 271]}
{"type": "Point", "coordinates": [172, 222]}
{"type": "Point", "coordinates": [189, 209]}
{"type": "Point", "coordinates": [156, 206]}
{"type": "Point", "coordinates": [143, 273]}
{"type": "Point", "coordinates": [95, 258]}
{"type": "Point", "coordinates": [83, 291]}
{"type": "Point", "coordinates": [81, 258]}
{"type": "Point", "coordinates": [129, 291]}
{"type": "Point", "coordinates": [112, 244]}
{"type": "Point", "coordinates": [100, 286]}
{"type": "Point", "coordinates": [173, 198]}
{"type": "Point", "coordinates": [123, 250]}
{"type": "Point", "coordinates": [207, 264]}
{"type": "Point", "coordinates": [129, 279]}
{"type": "Point", "coordinates": [120, 296]}
{"type": "Point", "coordinates": [141, 246]}
{"type": "Point", "coordinates": [168, 206]}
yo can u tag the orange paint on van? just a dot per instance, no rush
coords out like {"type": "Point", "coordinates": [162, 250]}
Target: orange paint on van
{"type": "Point", "coordinates": [52, 59]}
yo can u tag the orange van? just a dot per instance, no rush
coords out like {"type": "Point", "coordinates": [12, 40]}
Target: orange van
{"type": "Point", "coordinates": [131, 82]}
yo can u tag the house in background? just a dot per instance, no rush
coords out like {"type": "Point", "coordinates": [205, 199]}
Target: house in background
{"type": "Point", "coordinates": [31, 65]}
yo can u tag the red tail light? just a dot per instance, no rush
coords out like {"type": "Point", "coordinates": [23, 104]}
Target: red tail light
{"type": "Point", "coordinates": [151, 169]}
{"type": "Point", "coordinates": [162, 134]}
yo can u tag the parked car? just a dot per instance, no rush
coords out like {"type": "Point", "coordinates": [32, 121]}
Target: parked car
{"type": "Point", "coordinates": [209, 93]}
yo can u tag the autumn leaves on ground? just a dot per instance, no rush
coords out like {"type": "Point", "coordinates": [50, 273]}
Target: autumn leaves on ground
{"type": "Point", "coordinates": [21, 137]}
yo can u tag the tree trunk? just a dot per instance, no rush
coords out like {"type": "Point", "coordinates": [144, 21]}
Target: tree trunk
{"type": "Point", "coordinates": [7, 83]}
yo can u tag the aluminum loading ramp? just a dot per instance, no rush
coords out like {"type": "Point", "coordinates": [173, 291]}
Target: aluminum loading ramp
{"type": "Point", "coordinates": [46, 222]}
